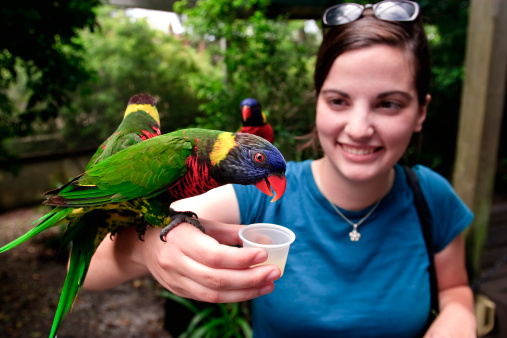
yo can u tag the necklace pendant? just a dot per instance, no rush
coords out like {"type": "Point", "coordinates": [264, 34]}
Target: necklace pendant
{"type": "Point", "coordinates": [354, 234]}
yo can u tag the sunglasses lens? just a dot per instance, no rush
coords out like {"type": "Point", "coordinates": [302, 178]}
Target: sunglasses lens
{"type": "Point", "coordinates": [395, 11]}
{"type": "Point", "coordinates": [341, 14]}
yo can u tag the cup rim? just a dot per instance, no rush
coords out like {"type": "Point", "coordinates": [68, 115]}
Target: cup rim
{"type": "Point", "coordinates": [271, 226]}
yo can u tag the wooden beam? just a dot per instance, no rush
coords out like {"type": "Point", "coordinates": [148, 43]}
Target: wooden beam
{"type": "Point", "coordinates": [482, 105]}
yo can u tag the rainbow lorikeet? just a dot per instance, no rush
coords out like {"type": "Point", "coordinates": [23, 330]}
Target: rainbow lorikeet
{"type": "Point", "coordinates": [145, 179]}
{"type": "Point", "coordinates": [254, 120]}
{"type": "Point", "coordinates": [140, 122]}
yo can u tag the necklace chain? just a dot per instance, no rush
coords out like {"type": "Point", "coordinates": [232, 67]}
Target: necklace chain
{"type": "Point", "coordinates": [354, 234]}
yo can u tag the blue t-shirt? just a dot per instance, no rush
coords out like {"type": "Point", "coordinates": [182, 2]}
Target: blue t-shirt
{"type": "Point", "coordinates": [333, 287]}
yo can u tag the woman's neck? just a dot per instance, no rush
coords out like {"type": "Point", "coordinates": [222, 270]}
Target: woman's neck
{"type": "Point", "coordinates": [348, 194]}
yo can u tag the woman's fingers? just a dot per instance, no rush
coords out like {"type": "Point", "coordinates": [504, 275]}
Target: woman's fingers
{"type": "Point", "coordinates": [199, 292]}
{"type": "Point", "coordinates": [209, 252]}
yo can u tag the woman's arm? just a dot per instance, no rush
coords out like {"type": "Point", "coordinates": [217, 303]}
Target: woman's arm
{"type": "Point", "coordinates": [190, 264]}
{"type": "Point", "coordinates": [456, 318]}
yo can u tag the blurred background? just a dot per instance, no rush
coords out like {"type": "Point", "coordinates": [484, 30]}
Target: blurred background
{"type": "Point", "coordinates": [68, 69]}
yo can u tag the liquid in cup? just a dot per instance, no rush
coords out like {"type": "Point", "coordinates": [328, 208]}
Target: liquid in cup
{"type": "Point", "coordinates": [275, 239]}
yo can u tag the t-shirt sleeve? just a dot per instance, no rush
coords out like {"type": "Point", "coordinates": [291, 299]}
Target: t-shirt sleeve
{"type": "Point", "coordinates": [449, 214]}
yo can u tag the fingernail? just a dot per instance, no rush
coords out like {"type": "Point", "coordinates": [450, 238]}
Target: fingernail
{"type": "Point", "coordinates": [273, 275]}
{"type": "Point", "coordinates": [268, 288]}
{"type": "Point", "coordinates": [261, 257]}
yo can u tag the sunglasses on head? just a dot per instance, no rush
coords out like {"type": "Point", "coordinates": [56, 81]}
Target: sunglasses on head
{"type": "Point", "coordinates": [388, 10]}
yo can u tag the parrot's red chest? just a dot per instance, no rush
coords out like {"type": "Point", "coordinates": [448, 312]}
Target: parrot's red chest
{"type": "Point", "coordinates": [195, 182]}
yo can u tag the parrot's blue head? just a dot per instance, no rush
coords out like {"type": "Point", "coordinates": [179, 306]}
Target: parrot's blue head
{"type": "Point", "coordinates": [251, 112]}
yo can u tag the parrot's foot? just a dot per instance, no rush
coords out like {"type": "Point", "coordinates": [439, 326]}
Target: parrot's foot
{"type": "Point", "coordinates": [190, 214]}
{"type": "Point", "coordinates": [178, 217]}
{"type": "Point", "coordinates": [141, 229]}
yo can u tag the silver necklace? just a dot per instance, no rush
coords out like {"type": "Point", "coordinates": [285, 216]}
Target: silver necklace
{"type": "Point", "coordinates": [354, 234]}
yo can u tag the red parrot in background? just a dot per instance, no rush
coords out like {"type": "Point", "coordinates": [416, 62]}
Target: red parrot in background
{"type": "Point", "coordinates": [254, 120]}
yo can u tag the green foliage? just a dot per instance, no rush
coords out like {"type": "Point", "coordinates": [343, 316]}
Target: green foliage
{"type": "Point", "coordinates": [40, 52]}
{"type": "Point", "coordinates": [215, 321]}
{"type": "Point", "coordinates": [129, 58]}
{"type": "Point", "coordinates": [268, 59]}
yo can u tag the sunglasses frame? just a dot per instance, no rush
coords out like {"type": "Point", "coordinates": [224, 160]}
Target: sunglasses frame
{"type": "Point", "coordinates": [374, 8]}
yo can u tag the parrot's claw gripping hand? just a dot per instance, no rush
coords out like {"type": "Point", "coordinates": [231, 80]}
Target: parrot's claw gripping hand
{"type": "Point", "coordinates": [178, 217]}
{"type": "Point", "coordinates": [141, 229]}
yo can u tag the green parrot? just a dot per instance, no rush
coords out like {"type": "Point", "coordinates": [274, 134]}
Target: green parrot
{"type": "Point", "coordinates": [140, 122]}
{"type": "Point", "coordinates": [144, 179]}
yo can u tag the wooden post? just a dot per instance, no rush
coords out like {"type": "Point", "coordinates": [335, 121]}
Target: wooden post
{"type": "Point", "coordinates": [480, 118]}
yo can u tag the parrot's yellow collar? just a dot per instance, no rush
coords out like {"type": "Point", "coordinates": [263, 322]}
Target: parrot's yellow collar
{"type": "Point", "coordinates": [225, 142]}
{"type": "Point", "coordinates": [148, 108]}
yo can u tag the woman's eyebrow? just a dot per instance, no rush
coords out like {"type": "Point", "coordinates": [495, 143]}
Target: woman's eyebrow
{"type": "Point", "coordinates": [335, 91]}
{"type": "Point", "coordinates": [394, 92]}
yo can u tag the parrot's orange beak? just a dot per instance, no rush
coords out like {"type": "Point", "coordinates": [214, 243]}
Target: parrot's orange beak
{"type": "Point", "coordinates": [246, 113]}
{"type": "Point", "coordinates": [277, 182]}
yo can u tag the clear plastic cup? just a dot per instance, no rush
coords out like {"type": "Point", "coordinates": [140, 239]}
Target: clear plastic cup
{"type": "Point", "coordinates": [275, 239]}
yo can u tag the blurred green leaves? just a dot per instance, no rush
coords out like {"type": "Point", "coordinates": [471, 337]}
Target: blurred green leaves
{"type": "Point", "coordinates": [41, 55]}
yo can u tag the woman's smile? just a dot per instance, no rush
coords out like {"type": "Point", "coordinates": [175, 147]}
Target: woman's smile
{"type": "Point", "coordinates": [358, 150]}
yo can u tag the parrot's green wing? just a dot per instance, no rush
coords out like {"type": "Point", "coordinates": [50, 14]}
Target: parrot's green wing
{"type": "Point", "coordinates": [143, 170]}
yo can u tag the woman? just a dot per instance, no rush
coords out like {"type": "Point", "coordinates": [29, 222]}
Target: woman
{"type": "Point", "coordinates": [370, 279]}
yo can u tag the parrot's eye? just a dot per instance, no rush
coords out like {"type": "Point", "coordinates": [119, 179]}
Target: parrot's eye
{"type": "Point", "coordinates": [259, 157]}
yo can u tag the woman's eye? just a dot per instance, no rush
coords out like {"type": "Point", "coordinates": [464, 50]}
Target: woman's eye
{"type": "Point", "coordinates": [391, 105]}
{"type": "Point", "coordinates": [336, 102]}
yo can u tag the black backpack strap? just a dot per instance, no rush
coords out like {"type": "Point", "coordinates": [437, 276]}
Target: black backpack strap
{"type": "Point", "coordinates": [425, 218]}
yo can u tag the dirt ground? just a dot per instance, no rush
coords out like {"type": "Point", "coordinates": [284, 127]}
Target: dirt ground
{"type": "Point", "coordinates": [31, 278]}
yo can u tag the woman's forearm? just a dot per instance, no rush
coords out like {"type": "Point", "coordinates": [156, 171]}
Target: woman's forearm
{"type": "Point", "coordinates": [116, 261]}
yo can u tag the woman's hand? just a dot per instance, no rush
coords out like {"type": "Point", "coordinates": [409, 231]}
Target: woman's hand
{"type": "Point", "coordinates": [194, 265]}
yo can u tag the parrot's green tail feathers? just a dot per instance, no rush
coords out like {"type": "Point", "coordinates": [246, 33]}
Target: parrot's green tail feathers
{"type": "Point", "coordinates": [47, 221]}
{"type": "Point", "coordinates": [80, 257]}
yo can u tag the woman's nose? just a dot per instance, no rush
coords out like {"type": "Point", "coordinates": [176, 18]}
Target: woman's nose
{"type": "Point", "coordinates": [359, 125]}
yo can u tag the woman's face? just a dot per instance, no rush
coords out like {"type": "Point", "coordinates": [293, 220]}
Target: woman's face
{"type": "Point", "coordinates": [367, 111]}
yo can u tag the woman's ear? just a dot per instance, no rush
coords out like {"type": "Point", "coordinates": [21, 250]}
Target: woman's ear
{"type": "Point", "coordinates": [422, 114]}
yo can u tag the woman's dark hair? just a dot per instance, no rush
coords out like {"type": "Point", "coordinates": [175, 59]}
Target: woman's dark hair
{"type": "Point", "coordinates": [369, 31]}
